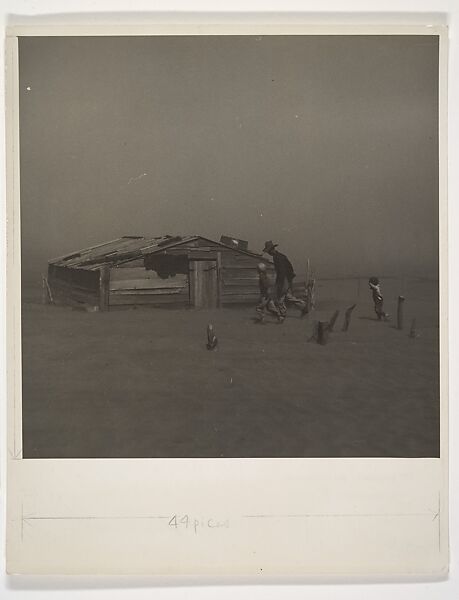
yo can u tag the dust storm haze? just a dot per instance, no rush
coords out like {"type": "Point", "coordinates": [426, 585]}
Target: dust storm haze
{"type": "Point", "coordinates": [327, 145]}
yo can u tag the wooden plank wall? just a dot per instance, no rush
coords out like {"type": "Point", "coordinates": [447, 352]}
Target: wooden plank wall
{"type": "Point", "coordinates": [130, 284]}
{"type": "Point", "coordinates": [239, 278]}
{"type": "Point", "coordinates": [74, 287]}
{"type": "Point", "coordinates": [135, 286]}
{"type": "Point", "coordinates": [104, 290]}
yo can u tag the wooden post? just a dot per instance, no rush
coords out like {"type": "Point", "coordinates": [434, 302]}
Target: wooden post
{"type": "Point", "coordinates": [401, 300]}
{"type": "Point", "coordinates": [310, 295]}
{"type": "Point", "coordinates": [413, 333]}
{"type": "Point", "coordinates": [322, 332]}
{"type": "Point", "coordinates": [315, 332]}
{"type": "Point", "coordinates": [347, 317]}
{"type": "Point", "coordinates": [332, 321]}
{"type": "Point", "coordinates": [308, 299]}
{"type": "Point", "coordinates": [219, 279]}
{"type": "Point", "coordinates": [306, 286]}
{"type": "Point", "coordinates": [104, 287]}
{"type": "Point", "coordinates": [50, 294]}
{"type": "Point", "coordinates": [211, 337]}
{"type": "Point", "coordinates": [44, 292]}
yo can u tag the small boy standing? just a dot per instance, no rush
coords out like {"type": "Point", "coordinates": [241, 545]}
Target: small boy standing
{"type": "Point", "coordinates": [266, 304]}
{"type": "Point", "coordinates": [378, 300]}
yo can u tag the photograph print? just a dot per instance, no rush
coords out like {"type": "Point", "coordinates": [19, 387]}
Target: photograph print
{"type": "Point", "coordinates": [229, 246]}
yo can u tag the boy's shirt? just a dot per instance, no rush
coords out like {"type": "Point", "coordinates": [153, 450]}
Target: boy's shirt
{"type": "Point", "coordinates": [264, 284]}
{"type": "Point", "coordinates": [376, 291]}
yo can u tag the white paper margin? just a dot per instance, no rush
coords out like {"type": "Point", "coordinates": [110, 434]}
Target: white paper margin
{"type": "Point", "coordinates": [332, 517]}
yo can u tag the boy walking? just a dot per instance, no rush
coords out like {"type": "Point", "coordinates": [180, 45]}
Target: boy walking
{"type": "Point", "coordinates": [266, 304]}
{"type": "Point", "coordinates": [378, 300]}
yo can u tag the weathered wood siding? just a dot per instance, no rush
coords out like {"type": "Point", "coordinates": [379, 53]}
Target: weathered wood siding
{"type": "Point", "coordinates": [237, 271]}
{"type": "Point", "coordinates": [74, 286]}
{"type": "Point", "coordinates": [237, 281]}
{"type": "Point", "coordinates": [204, 291]}
{"type": "Point", "coordinates": [135, 286]}
{"type": "Point", "coordinates": [239, 277]}
{"type": "Point", "coordinates": [130, 283]}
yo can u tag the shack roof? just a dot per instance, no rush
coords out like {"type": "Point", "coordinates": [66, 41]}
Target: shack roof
{"type": "Point", "coordinates": [130, 247]}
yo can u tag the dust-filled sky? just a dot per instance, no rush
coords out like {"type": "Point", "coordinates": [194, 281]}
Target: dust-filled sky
{"type": "Point", "coordinates": [327, 145]}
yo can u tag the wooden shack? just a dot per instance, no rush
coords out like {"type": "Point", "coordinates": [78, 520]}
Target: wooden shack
{"type": "Point", "coordinates": [135, 271]}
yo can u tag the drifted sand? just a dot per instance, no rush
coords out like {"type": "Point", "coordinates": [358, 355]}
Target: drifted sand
{"type": "Point", "coordinates": [141, 383]}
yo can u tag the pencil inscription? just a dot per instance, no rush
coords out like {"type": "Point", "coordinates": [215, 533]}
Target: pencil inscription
{"type": "Point", "coordinates": [195, 524]}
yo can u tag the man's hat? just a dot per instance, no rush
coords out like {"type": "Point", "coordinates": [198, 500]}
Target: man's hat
{"type": "Point", "coordinates": [269, 246]}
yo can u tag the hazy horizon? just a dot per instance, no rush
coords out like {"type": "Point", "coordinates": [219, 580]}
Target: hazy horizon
{"type": "Point", "coordinates": [327, 145]}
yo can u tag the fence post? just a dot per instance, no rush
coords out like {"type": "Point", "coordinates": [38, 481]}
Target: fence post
{"type": "Point", "coordinates": [48, 291]}
{"type": "Point", "coordinates": [322, 332]}
{"type": "Point", "coordinates": [332, 321]}
{"type": "Point", "coordinates": [347, 317]}
{"type": "Point", "coordinates": [219, 280]}
{"type": "Point", "coordinates": [44, 292]}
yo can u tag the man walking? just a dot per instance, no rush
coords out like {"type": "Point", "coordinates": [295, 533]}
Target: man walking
{"type": "Point", "coordinates": [284, 280]}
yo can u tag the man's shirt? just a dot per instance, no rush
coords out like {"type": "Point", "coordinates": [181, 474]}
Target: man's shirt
{"type": "Point", "coordinates": [284, 268]}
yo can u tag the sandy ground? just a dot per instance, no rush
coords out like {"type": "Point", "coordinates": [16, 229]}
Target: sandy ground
{"type": "Point", "coordinates": [141, 383]}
